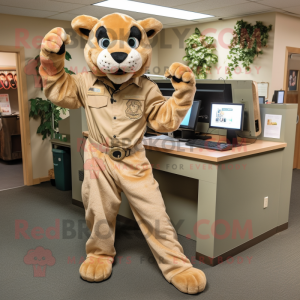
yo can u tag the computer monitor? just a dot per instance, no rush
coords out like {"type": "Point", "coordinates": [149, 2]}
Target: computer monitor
{"type": "Point", "coordinates": [278, 97]}
{"type": "Point", "coordinates": [262, 99]}
{"type": "Point", "coordinates": [228, 116]}
{"type": "Point", "coordinates": [207, 92]}
{"type": "Point", "coordinates": [190, 120]}
{"type": "Point", "coordinates": [226, 91]}
{"type": "Point", "coordinates": [212, 93]}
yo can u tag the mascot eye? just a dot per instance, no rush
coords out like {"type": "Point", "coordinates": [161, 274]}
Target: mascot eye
{"type": "Point", "coordinates": [104, 43]}
{"type": "Point", "coordinates": [133, 42]}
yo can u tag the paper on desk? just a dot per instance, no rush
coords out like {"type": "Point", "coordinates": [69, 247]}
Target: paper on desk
{"type": "Point", "coordinates": [272, 126]}
{"type": "Point", "coordinates": [263, 88]}
{"type": "Point", "coordinates": [5, 104]}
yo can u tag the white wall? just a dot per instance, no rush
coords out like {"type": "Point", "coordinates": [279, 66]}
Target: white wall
{"type": "Point", "coordinates": [7, 59]}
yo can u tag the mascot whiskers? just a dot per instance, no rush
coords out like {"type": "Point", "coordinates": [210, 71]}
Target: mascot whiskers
{"type": "Point", "coordinates": [120, 102]}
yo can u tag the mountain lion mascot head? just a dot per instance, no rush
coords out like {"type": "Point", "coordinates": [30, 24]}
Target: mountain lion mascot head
{"type": "Point", "coordinates": [117, 46]}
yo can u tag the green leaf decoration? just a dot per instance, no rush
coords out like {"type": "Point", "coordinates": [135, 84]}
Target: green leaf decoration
{"type": "Point", "coordinates": [68, 56]}
{"type": "Point", "coordinates": [246, 44]}
{"type": "Point", "coordinates": [45, 110]}
{"type": "Point", "coordinates": [69, 71]}
{"type": "Point", "coordinates": [199, 54]}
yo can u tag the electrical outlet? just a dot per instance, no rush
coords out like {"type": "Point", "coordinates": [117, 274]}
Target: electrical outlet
{"type": "Point", "coordinates": [266, 202]}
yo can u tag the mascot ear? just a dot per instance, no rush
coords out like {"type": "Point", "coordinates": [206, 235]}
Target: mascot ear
{"type": "Point", "coordinates": [151, 26]}
{"type": "Point", "coordinates": [83, 25]}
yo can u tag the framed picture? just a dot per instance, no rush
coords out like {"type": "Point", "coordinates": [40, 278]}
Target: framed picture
{"type": "Point", "coordinates": [293, 80]}
{"type": "Point", "coordinates": [8, 79]}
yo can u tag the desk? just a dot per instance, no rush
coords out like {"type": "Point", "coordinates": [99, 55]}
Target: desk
{"type": "Point", "coordinates": [217, 198]}
{"type": "Point", "coordinates": [180, 149]}
{"type": "Point", "coordinates": [204, 187]}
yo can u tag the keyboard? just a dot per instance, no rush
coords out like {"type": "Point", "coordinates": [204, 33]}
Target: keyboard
{"type": "Point", "coordinates": [209, 145]}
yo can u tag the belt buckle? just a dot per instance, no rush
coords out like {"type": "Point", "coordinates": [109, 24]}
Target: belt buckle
{"type": "Point", "coordinates": [116, 153]}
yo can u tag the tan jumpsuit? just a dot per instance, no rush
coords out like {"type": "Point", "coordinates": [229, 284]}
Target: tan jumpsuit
{"type": "Point", "coordinates": [121, 122]}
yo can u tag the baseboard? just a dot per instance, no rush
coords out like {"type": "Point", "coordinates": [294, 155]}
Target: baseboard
{"type": "Point", "coordinates": [227, 255]}
{"type": "Point", "coordinates": [39, 180]}
{"type": "Point", "coordinates": [282, 227]}
{"type": "Point", "coordinates": [206, 259]}
{"type": "Point", "coordinates": [77, 203]}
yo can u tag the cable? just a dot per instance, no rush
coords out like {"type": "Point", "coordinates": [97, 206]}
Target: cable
{"type": "Point", "coordinates": [109, 89]}
{"type": "Point", "coordinates": [208, 130]}
{"type": "Point", "coordinates": [219, 136]}
{"type": "Point", "coordinates": [244, 137]}
{"type": "Point", "coordinates": [223, 87]}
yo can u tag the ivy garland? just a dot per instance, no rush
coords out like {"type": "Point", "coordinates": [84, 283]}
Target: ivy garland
{"type": "Point", "coordinates": [199, 53]}
{"type": "Point", "coordinates": [248, 41]}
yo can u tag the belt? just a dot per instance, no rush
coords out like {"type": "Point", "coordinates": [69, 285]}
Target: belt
{"type": "Point", "coordinates": [115, 153]}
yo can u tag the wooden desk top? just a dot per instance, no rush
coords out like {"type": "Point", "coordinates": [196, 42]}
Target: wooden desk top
{"type": "Point", "coordinates": [180, 149]}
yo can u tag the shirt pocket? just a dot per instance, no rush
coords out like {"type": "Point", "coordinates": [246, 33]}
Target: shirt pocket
{"type": "Point", "coordinates": [134, 106]}
{"type": "Point", "coordinates": [96, 101]}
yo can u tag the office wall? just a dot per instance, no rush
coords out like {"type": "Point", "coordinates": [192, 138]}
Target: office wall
{"type": "Point", "coordinates": [155, 54]}
{"type": "Point", "coordinates": [287, 34]}
{"type": "Point", "coordinates": [171, 48]}
{"type": "Point", "coordinates": [168, 48]}
{"type": "Point", "coordinates": [28, 32]}
{"type": "Point", "coordinates": [9, 60]}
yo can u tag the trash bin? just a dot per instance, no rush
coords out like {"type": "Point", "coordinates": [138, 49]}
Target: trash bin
{"type": "Point", "coordinates": [62, 169]}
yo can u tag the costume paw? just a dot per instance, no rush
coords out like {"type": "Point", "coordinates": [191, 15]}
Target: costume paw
{"type": "Point", "coordinates": [55, 39]}
{"type": "Point", "coordinates": [96, 269]}
{"type": "Point", "coordinates": [191, 281]}
{"type": "Point", "coordinates": [180, 72]}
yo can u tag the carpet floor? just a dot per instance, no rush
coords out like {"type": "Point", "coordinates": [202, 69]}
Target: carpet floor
{"type": "Point", "coordinates": [11, 174]}
{"type": "Point", "coordinates": [269, 270]}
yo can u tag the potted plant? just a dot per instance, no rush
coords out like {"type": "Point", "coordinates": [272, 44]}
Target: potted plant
{"type": "Point", "coordinates": [48, 112]}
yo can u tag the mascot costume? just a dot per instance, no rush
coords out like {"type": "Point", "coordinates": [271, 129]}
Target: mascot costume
{"type": "Point", "coordinates": [120, 102]}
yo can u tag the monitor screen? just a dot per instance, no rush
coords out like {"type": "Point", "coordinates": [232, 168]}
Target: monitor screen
{"type": "Point", "coordinates": [207, 92]}
{"type": "Point", "coordinates": [227, 116]}
{"type": "Point", "coordinates": [191, 118]}
{"type": "Point", "coordinates": [280, 97]}
{"type": "Point", "coordinates": [186, 120]}
{"type": "Point", "coordinates": [261, 99]}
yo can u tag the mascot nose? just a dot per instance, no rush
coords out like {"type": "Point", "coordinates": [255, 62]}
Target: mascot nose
{"type": "Point", "coordinates": [119, 56]}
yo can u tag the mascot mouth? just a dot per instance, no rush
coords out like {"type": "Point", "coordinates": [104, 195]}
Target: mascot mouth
{"type": "Point", "coordinates": [119, 72]}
